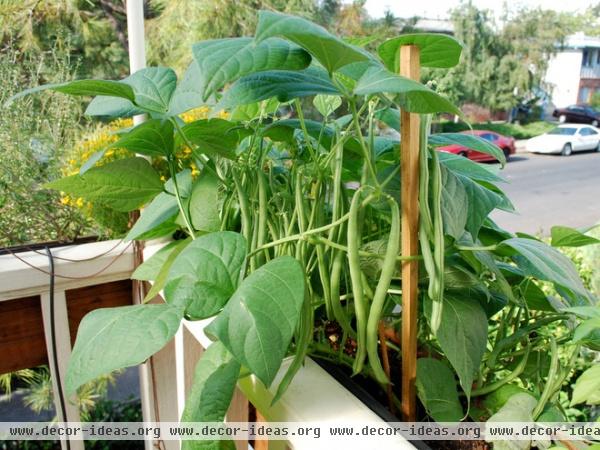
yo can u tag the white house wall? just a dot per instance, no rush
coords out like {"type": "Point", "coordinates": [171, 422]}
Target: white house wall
{"type": "Point", "coordinates": [562, 77]}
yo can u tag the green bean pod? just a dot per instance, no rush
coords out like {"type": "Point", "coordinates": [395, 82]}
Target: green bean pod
{"type": "Point", "coordinates": [436, 283]}
{"type": "Point", "coordinates": [262, 210]}
{"type": "Point", "coordinates": [325, 280]}
{"type": "Point", "coordinates": [334, 288]}
{"type": "Point", "coordinates": [244, 209]}
{"type": "Point", "coordinates": [385, 279]}
{"type": "Point", "coordinates": [356, 280]}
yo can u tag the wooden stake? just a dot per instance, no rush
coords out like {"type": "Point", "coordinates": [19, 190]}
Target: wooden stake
{"type": "Point", "coordinates": [409, 161]}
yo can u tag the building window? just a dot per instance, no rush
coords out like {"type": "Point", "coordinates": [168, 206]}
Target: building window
{"type": "Point", "coordinates": [584, 95]}
{"type": "Point", "coordinates": [587, 58]}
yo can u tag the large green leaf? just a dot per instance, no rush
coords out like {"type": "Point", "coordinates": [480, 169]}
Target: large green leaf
{"type": "Point", "coordinates": [587, 387]}
{"type": "Point", "coordinates": [462, 334]}
{"type": "Point", "coordinates": [114, 338]}
{"type": "Point", "coordinates": [470, 141]}
{"type": "Point", "coordinates": [206, 274]}
{"type": "Point", "coordinates": [327, 104]}
{"type": "Point", "coordinates": [162, 272]}
{"type": "Point", "coordinates": [570, 237]}
{"type": "Point", "coordinates": [455, 204]}
{"type": "Point", "coordinates": [83, 87]}
{"type": "Point", "coordinates": [184, 183]}
{"type": "Point", "coordinates": [153, 88]}
{"type": "Point", "coordinates": [470, 169]}
{"type": "Point", "coordinates": [281, 84]}
{"type": "Point", "coordinates": [153, 137]}
{"type": "Point", "coordinates": [162, 208]}
{"type": "Point", "coordinates": [481, 202]}
{"type": "Point", "coordinates": [328, 49]}
{"type": "Point", "coordinates": [411, 95]}
{"type": "Point", "coordinates": [389, 116]}
{"type": "Point", "coordinates": [587, 312]}
{"type": "Point", "coordinates": [112, 107]}
{"type": "Point", "coordinates": [545, 263]}
{"type": "Point", "coordinates": [188, 93]}
{"type": "Point", "coordinates": [436, 387]}
{"type": "Point", "coordinates": [215, 136]}
{"type": "Point", "coordinates": [222, 61]}
{"type": "Point", "coordinates": [251, 111]}
{"type": "Point", "coordinates": [588, 333]}
{"type": "Point", "coordinates": [258, 323]}
{"type": "Point", "coordinates": [124, 185]}
{"type": "Point", "coordinates": [285, 130]}
{"type": "Point", "coordinates": [492, 402]}
{"type": "Point", "coordinates": [150, 269]}
{"type": "Point", "coordinates": [214, 382]}
{"type": "Point", "coordinates": [518, 408]}
{"type": "Point", "coordinates": [205, 203]}
{"type": "Point", "coordinates": [436, 50]}
{"type": "Point", "coordinates": [535, 298]}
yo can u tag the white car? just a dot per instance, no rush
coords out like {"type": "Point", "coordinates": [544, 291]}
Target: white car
{"type": "Point", "coordinates": [566, 139]}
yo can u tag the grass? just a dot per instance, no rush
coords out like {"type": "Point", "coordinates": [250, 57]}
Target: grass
{"type": "Point", "coordinates": [507, 129]}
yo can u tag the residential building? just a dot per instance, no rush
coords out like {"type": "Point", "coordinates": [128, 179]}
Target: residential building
{"type": "Point", "coordinates": [573, 74]}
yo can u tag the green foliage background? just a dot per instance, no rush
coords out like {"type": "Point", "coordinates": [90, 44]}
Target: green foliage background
{"type": "Point", "coordinates": [59, 40]}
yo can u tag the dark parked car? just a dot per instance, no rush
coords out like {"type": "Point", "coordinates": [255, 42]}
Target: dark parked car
{"type": "Point", "coordinates": [507, 144]}
{"type": "Point", "coordinates": [578, 114]}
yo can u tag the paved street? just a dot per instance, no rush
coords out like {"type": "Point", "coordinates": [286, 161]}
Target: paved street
{"type": "Point", "coordinates": [551, 190]}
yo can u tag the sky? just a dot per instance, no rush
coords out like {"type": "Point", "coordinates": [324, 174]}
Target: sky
{"type": "Point", "coordinates": [438, 8]}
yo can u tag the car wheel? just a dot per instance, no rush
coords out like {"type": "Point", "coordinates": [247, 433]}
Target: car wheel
{"type": "Point", "coordinates": [506, 152]}
{"type": "Point", "coordinates": [567, 150]}
{"type": "Point", "coordinates": [594, 123]}
{"type": "Point", "coordinates": [463, 154]}
{"type": "Point", "coordinates": [562, 118]}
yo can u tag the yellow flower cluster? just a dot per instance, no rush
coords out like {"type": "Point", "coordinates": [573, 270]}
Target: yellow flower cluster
{"type": "Point", "coordinates": [106, 134]}
{"type": "Point", "coordinates": [91, 143]}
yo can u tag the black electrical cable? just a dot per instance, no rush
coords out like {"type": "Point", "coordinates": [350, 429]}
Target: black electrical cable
{"type": "Point", "coordinates": [61, 395]}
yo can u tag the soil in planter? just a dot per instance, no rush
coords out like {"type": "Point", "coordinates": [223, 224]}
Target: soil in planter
{"type": "Point", "coordinates": [372, 394]}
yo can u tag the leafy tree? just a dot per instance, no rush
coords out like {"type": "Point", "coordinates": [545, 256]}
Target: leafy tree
{"type": "Point", "coordinates": [502, 66]}
{"type": "Point", "coordinates": [595, 100]}
{"type": "Point", "coordinates": [326, 11]}
{"type": "Point", "coordinates": [93, 31]}
{"type": "Point", "coordinates": [207, 19]}
{"type": "Point", "coordinates": [31, 150]}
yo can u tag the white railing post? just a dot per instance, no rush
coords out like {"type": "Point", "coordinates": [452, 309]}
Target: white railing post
{"type": "Point", "coordinates": [137, 61]}
{"type": "Point", "coordinates": [62, 340]}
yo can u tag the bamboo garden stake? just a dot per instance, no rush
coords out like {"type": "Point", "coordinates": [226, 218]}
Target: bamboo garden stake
{"type": "Point", "coordinates": [409, 160]}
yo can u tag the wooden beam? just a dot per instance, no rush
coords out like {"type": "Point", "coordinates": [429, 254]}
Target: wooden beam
{"type": "Point", "coordinates": [83, 300]}
{"type": "Point", "coordinates": [22, 340]}
{"type": "Point", "coordinates": [409, 161]}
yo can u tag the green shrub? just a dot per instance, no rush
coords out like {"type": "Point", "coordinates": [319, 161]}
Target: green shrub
{"type": "Point", "coordinates": [507, 129]}
{"type": "Point", "coordinates": [33, 136]}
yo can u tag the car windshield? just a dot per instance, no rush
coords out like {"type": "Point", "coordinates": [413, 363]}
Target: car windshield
{"type": "Point", "coordinates": [563, 131]}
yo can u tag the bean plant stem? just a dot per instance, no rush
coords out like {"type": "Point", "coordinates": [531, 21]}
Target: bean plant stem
{"type": "Point", "coordinates": [184, 212]}
{"type": "Point", "coordinates": [191, 146]}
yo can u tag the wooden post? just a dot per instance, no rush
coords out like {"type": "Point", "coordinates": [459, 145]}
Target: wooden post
{"type": "Point", "coordinates": [409, 161]}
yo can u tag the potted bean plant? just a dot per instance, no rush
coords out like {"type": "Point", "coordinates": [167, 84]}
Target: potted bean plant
{"type": "Point", "coordinates": [288, 233]}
